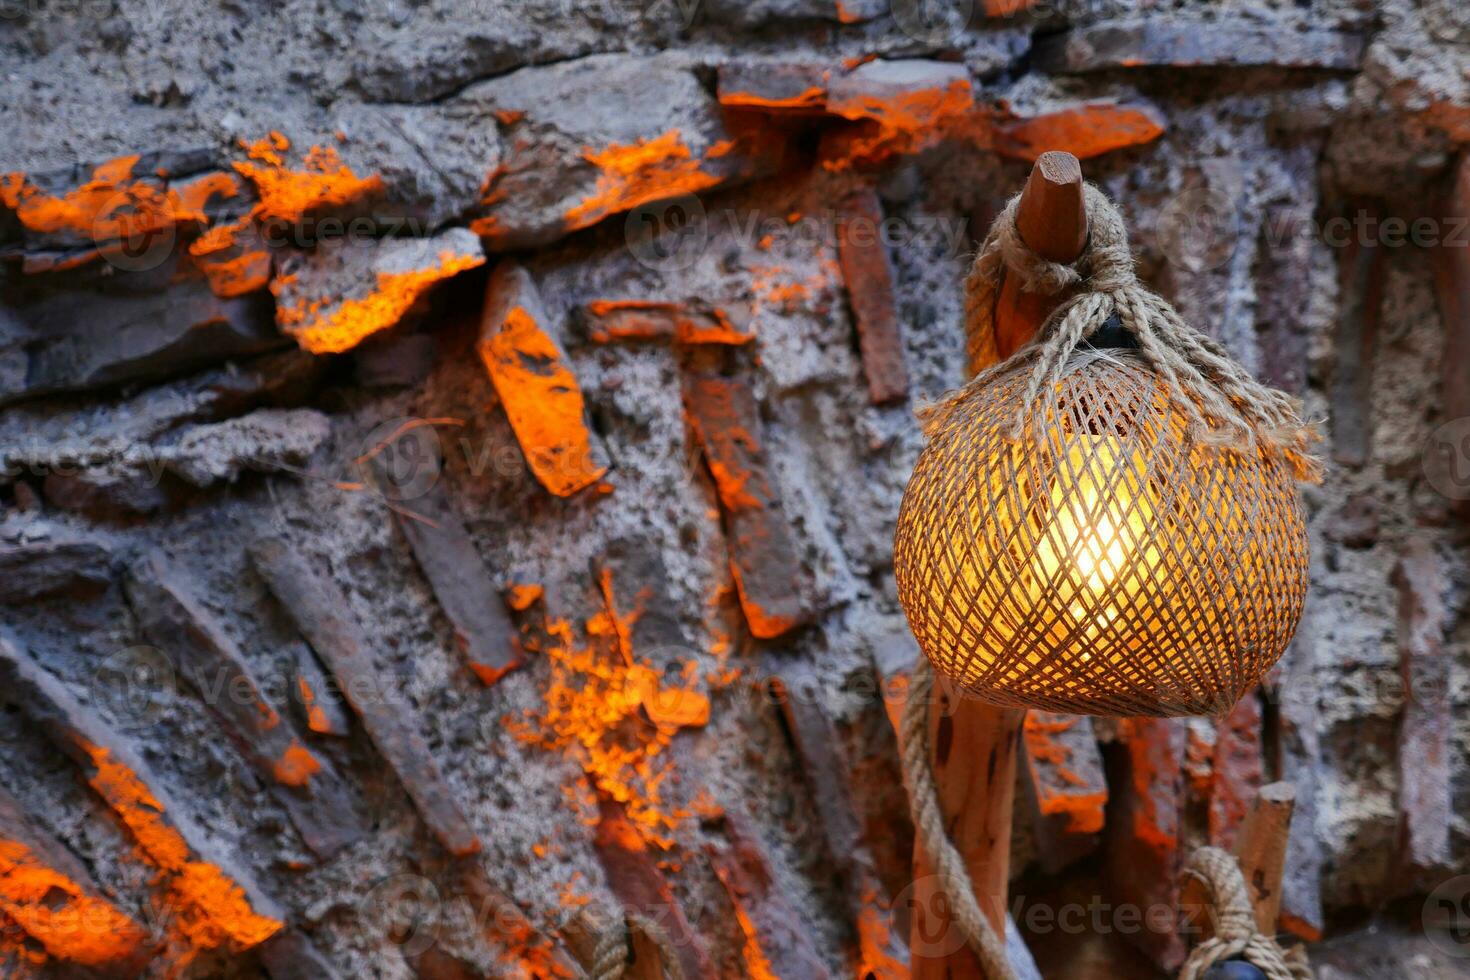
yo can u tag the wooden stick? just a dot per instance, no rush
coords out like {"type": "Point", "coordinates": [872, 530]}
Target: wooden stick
{"type": "Point", "coordinates": [1260, 847]}
{"type": "Point", "coordinates": [1052, 220]}
{"type": "Point", "coordinates": [973, 745]}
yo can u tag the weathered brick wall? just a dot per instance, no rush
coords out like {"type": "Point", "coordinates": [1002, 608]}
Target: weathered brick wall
{"type": "Point", "coordinates": [549, 371]}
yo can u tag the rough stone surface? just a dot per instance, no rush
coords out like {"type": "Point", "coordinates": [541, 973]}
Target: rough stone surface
{"type": "Point", "coordinates": [34, 565]}
{"type": "Point", "coordinates": [1186, 42]}
{"type": "Point", "coordinates": [1241, 132]}
{"type": "Point", "coordinates": [109, 337]}
{"type": "Point", "coordinates": [331, 299]}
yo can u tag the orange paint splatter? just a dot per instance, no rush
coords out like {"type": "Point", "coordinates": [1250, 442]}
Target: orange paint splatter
{"type": "Point", "coordinates": [900, 122]}
{"type": "Point", "coordinates": [630, 319]}
{"type": "Point", "coordinates": [112, 204]}
{"type": "Point", "coordinates": [569, 896]}
{"type": "Point", "coordinates": [522, 596]}
{"type": "Point", "coordinates": [876, 940]}
{"type": "Point", "coordinates": [757, 966]}
{"type": "Point", "coordinates": [634, 174]}
{"type": "Point", "coordinates": [296, 765]}
{"type": "Point", "coordinates": [70, 923]}
{"type": "Point", "coordinates": [1084, 811]}
{"type": "Point", "coordinates": [811, 98]}
{"type": "Point", "coordinates": [1085, 131]}
{"type": "Point", "coordinates": [324, 182]}
{"type": "Point", "coordinates": [208, 908]}
{"type": "Point", "coordinates": [543, 402]}
{"type": "Point", "coordinates": [232, 259]}
{"type": "Point", "coordinates": [607, 713]}
{"type": "Point", "coordinates": [316, 717]}
{"type": "Point", "coordinates": [322, 328]}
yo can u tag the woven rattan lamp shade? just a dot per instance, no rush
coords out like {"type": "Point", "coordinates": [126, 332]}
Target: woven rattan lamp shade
{"type": "Point", "coordinates": [1105, 562]}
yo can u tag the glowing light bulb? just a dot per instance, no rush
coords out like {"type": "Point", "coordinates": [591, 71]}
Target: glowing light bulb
{"type": "Point", "coordinates": [1093, 518]}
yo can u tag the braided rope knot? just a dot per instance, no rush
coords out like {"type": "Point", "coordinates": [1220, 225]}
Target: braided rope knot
{"type": "Point", "coordinates": [1234, 921]}
{"type": "Point", "coordinates": [1225, 406]}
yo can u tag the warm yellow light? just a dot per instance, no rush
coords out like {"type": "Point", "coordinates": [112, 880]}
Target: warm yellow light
{"type": "Point", "coordinates": [1095, 521]}
{"type": "Point", "coordinates": [1106, 563]}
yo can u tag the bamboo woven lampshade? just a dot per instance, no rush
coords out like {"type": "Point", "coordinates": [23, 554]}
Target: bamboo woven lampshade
{"type": "Point", "coordinates": [1106, 562]}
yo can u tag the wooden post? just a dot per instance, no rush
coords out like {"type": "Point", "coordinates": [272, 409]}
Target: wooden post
{"type": "Point", "coordinates": [973, 745]}
{"type": "Point", "coordinates": [1052, 220]}
{"type": "Point", "coordinates": [1260, 847]}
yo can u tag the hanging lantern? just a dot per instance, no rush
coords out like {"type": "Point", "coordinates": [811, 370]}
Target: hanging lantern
{"type": "Point", "coordinates": [1112, 531]}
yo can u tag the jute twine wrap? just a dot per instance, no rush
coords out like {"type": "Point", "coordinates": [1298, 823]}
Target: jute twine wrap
{"type": "Point", "coordinates": [1235, 935]}
{"type": "Point", "coordinates": [1225, 405]}
{"type": "Point", "coordinates": [610, 960]}
{"type": "Point", "coordinates": [1111, 532]}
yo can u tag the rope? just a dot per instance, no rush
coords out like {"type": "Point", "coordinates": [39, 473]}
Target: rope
{"type": "Point", "coordinates": [610, 959]}
{"type": "Point", "coordinates": [1235, 923]}
{"type": "Point", "coordinates": [1225, 405]}
{"type": "Point", "coordinates": [929, 823]}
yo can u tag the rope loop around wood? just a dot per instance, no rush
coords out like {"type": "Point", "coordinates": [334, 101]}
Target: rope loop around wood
{"type": "Point", "coordinates": [1234, 921]}
{"type": "Point", "coordinates": [1226, 407]}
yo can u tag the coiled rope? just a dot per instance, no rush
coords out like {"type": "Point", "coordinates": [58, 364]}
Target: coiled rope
{"type": "Point", "coordinates": [1236, 935]}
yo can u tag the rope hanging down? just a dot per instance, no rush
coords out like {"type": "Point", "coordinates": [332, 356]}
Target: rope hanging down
{"type": "Point", "coordinates": [1235, 923]}
{"type": "Point", "coordinates": [610, 960]}
{"type": "Point", "coordinates": [923, 796]}
{"type": "Point", "coordinates": [1226, 406]}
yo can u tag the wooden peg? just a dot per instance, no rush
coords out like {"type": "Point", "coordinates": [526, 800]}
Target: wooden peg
{"type": "Point", "coordinates": [973, 745]}
{"type": "Point", "coordinates": [1052, 221]}
{"type": "Point", "coordinates": [1260, 847]}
